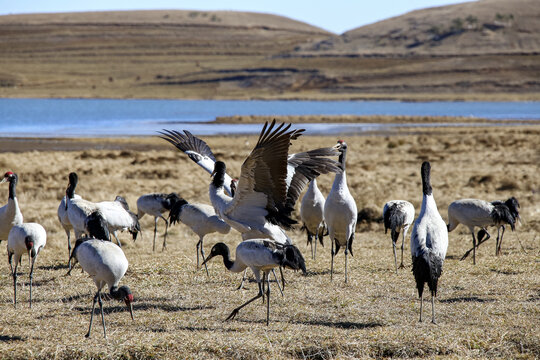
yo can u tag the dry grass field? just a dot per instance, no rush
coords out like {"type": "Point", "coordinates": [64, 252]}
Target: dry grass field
{"type": "Point", "coordinates": [490, 310]}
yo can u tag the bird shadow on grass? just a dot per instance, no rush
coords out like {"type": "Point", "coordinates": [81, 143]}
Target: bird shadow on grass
{"type": "Point", "coordinates": [40, 282]}
{"type": "Point", "coordinates": [506, 272]}
{"type": "Point", "coordinates": [71, 298]}
{"type": "Point", "coordinates": [466, 299]}
{"type": "Point", "coordinates": [108, 307]}
{"type": "Point", "coordinates": [342, 324]}
{"type": "Point", "coordinates": [57, 266]}
{"type": "Point", "coordinates": [205, 328]}
{"type": "Point", "coordinates": [142, 306]}
{"type": "Point", "coordinates": [11, 338]}
{"type": "Point", "coordinates": [316, 273]}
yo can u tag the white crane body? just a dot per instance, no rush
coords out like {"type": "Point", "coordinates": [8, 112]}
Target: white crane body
{"type": "Point", "coordinates": [10, 214]}
{"type": "Point", "coordinates": [340, 212]}
{"type": "Point", "coordinates": [27, 238]}
{"type": "Point", "coordinates": [106, 264]}
{"type": "Point", "coordinates": [312, 215]}
{"type": "Point", "coordinates": [201, 219]}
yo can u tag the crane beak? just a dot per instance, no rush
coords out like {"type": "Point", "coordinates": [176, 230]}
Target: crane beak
{"type": "Point", "coordinates": [211, 175]}
{"type": "Point", "coordinates": [129, 304]}
{"type": "Point", "coordinates": [3, 180]}
{"type": "Point", "coordinates": [207, 259]}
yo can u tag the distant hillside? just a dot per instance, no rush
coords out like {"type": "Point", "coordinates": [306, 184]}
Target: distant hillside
{"type": "Point", "coordinates": [164, 18]}
{"type": "Point", "coordinates": [188, 54]}
{"type": "Point", "coordinates": [479, 27]}
{"type": "Point", "coordinates": [236, 55]}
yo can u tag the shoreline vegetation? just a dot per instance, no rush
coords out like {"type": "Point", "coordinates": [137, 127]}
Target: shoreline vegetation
{"type": "Point", "coordinates": [377, 119]}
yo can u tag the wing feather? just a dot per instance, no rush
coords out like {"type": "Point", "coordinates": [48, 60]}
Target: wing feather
{"type": "Point", "coordinates": [196, 149]}
{"type": "Point", "coordinates": [265, 172]}
{"type": "Point", "coordinates": [306, 166]}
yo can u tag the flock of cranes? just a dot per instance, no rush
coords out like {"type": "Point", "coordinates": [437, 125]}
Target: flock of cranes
{"type": "Point", "coordinates": [259, 206]}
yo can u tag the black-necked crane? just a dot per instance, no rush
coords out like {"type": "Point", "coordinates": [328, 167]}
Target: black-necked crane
{"type": "Point", "coordinates": [201, 219]}
{"type": "Point", "coordinates": [429, 242]}
{"type": "Point", "coordinates": [312, 215]}
{"type": "Point", "coordinates": [106, 264]}
{"type": "Point", "coordinates": [340, 212]}
{"type": "Point", "coordinates": [513, 205]}
{"type": "Point", "coordinates": [96, 228]}
{"type": "Point", "coordinates": [116, 212]}
{"type": "Point", "coordinates": [479, 213]}
{"type": "Point", "coordinates": [259, 255]}
{"type": "Point", "coordinates": [156, 204]}
{"type": "Point", "coordinates": [27, 238]}
{"type": "Point", "coordinates": [10, 214]}
{"type": "Point", "coordinates": [270, 183]}
{"type": "Point", "coordinates": [398, 216]}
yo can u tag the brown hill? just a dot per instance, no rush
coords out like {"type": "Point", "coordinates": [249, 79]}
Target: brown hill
{"type": "Point", "coordinates": [479, 27]}
{"type": "Point", "coordinates": [135, 53]}
{"type": "Point", "coordinates": [163, 18]}
{"type": "Point", "coordinates": [234, 55]}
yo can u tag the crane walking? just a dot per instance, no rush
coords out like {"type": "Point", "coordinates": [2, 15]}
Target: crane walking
{"type": "Point", "coordinates": [156, 204]}
{"type": "Point", "coordinates": [259, 255]}
{"type": "Point", "coordinates": [27, 238]}
{"type": "Point", "coordinates": [106, 264]}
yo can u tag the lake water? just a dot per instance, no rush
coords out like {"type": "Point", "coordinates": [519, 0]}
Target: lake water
{"type": "Point", "coordinates": [107, 117]}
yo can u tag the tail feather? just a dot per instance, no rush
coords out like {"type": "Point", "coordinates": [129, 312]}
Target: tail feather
{"type": "Point", "coordinates": [393, 220]}
{"type": "Point", "coordinates": [293, 259]}
{"type": "Point", "coordinates": [96, 226]}
{"type": "Point", "coordinates": [170, 200]}
{"type": "Point", "coordinates": [176, 211]}
{"type": "Point", "coordinates": [322, 233]}
{"type": "Point", "coordinates": [502, 214]}
{"type": "Point", "coordinates": [136, 227]}
{"type": "Point", "coordinates": [427, 268]}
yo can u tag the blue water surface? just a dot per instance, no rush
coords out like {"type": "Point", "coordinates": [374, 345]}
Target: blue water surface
{"type": "Point", "coordinates": [110, 117]}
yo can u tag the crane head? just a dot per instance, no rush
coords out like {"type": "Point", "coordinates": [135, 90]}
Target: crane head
{"type": "Point", "coordinates": [128, 299]}
{"type": "Point", "coordinates": [7, 177]}
{"type": "Point", "coordinates": [340, 146]}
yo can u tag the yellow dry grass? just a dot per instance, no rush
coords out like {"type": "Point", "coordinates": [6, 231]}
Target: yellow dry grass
{"type": "Point", "coordinates": [490, 310]}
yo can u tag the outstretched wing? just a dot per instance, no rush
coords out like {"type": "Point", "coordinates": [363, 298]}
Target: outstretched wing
{"type": "Point", "coordinates": [196, 149]}
{"type": "Point", "coordinates": [263, 180]}
{"type": "Point", "coordinates": [306, 166]}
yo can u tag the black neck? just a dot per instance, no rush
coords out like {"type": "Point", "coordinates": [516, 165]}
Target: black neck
{"type": "Point", "coordinates": [426, 183]}
{"type": "Point", "coordinates": [70, 192]}
{"type": "Point", "coordinates": [12, 185]}
{"type": "Point", "coordinates": [119, 293]}
{"type": "Point", "coordinates": [342, 158]}
{"type": "Point", "coordinates": [227, 258]}
{"type": "Point", "coordinates": [219, 179]}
